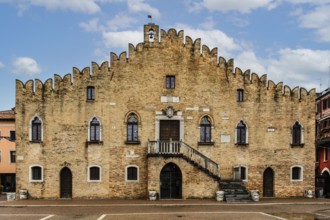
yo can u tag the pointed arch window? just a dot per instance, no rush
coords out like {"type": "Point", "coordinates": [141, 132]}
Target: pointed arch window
{"type": "Point", "coordinates": [94, 130]}
{"type": "Point", "coordinates": [205, 131]}
{"type": "Point", "coordinates": [36, 130]}
{"type": "Point", "coordinates": [132, 129]}
{"type": "Point", "coordinates": [297, 138]}
{"type": "Point", "coordinates": [241, 134]}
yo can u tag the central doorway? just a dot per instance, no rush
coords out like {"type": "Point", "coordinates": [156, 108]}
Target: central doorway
{"type": "Point", "coordinates": [170, 182]}
{"type": "Point", "coordinates": [66, 183]}
{"type": "Point", "coordinates": [169, 130]}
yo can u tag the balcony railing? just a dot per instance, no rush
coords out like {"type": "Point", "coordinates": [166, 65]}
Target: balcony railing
{"type": "Point", "coordinates": [170, 148]}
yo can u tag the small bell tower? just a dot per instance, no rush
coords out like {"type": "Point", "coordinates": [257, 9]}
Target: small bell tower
{"type": "Point", "coordinates": [151, 33]}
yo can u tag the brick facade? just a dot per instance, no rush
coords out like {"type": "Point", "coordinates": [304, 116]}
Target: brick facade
{"type": "Point", "coordinates": [135, 82]}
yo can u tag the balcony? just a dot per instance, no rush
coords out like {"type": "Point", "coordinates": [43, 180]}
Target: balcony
{"type": "Point", "coordinates": [180, 149]}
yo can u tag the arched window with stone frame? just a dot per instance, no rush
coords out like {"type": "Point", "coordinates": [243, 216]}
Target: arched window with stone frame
{"type": "Point", "coordinates": [36, 129]}
{"type": "Point", "coordinates": [205, 127]}
{"type": "Point", "coordinates": [297, 135]}
{"type": "Point", "coordinates": [132, 128]}
{"type": "Point", "coordinates": [94, 130]}
{"type": "Point", "coordinates": [241, 133]}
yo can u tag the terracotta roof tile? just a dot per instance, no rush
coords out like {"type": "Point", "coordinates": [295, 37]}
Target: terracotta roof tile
{"type": "Point", "coordinates": [7, 115]}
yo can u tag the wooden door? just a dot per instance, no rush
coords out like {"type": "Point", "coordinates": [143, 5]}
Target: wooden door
{"type": "Point", "coordinates": [169, 129]}
{"type": "Point", "coordinates": [268, 183]}
{"type": "Point", "coordinates": [66, 183]}
{"type": "Point", "coordinates": [171, 182]}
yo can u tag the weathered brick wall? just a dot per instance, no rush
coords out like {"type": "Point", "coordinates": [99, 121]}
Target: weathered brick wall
{"type": "Point", "coordinates": [205, 85]}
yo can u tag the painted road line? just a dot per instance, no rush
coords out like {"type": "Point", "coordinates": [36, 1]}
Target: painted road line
{"type": "Point", "coordinates": [47, 217]}
{"type": "Point", "coordinates": [102, 217]}
{"type": "Point", "coordinates": [273, 216]}
{"type": "Point", "coordinates": [183, 213]}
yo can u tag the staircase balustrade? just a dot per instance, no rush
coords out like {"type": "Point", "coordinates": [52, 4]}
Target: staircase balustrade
{"type": "Point", "coordinates": [168, 148]}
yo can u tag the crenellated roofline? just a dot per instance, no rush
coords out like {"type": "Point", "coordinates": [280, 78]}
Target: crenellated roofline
{"type": "Point", "coordinates": [170, 37]}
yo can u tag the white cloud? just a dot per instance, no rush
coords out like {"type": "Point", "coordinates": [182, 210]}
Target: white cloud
{"type": "Point", "coordinates": [121, 20]}
{"type": "Point", "coordinates": [245, 6]}
{"type": "Point", "coordinates": [84, 6]}
{"type": "Point", "coordinates": [25, 66]}
{"type": "Point", "coordinates": [208, 23]}
{"type": "Point", "coordinates": [318, 19]}
{"type": "Point", "coordinates": [248, 60]}
{"type": "Point", "coordinates": [2, 65]}
{"type": "Point", "coordinates": [120, 39]}
{"type": "Point", "coordinates": [141, 6]}
{"type": "Point", "coordinates": [295, 67]}
{"type": "Point", "coordinates": [212, 38]}
{"type": "Point", "coordinates": [92, 25]}
{"type": "Point", "coordinates": [312, 2]}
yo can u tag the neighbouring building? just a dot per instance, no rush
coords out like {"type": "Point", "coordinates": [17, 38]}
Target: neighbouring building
{"type": "Point", "coordinates": [169, 116]}
{"type": "Point", "coordinates": [7, 151]}
{"type": "Point", "coordinates": [322, 172]}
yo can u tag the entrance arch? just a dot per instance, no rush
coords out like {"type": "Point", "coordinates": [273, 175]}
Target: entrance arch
{"type": "Point", "coordinates": [268, 183]}
{"type": "Point", "coordinates": [66, 183]}
{"type": "Point", "coordinates": [326, 176]}
{"type": "Point", "coordinates": [171, 182]}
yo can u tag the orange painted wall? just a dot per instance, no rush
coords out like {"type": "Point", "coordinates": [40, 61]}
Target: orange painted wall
{"type": "Point", "coordinates": [6, 146]}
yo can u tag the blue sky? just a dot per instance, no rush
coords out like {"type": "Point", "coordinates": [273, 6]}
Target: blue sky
{"type": "Point", "coordinates": [289, 40]}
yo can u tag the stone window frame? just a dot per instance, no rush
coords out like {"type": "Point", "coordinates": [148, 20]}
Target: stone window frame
{"type": "Point", "coordinates": [89, 173]}
{"type": "Point", "coordinates": [31, 126]}
{"type": "Point", "coordinates": [246, 133]}
{"type": "Point", "coordinates": [301, 173]}
{"type": "Point", "coordinates": [240, 171]}
{"type": "Point", "coordinates": [138, 124]}
{"type": "Point", "coordinates": [31, 174]}
{"type": "Point", "coordinates": [170, 81]}
{"type": "Point", "coordinates": [211, 128]}
{"type": "Point", "coordinates": [240, 95]}
{"type": "Point", "coordinates": [90, 93]}
{"type": "Point", "coordinates": [89, 130]}
{"type": "Point", "coordinates": [137, 174]}
{"type": "Point", "coordinates": [294, 142]}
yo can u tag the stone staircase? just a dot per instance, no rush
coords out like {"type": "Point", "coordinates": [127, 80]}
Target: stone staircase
{"type": "Point", "coordinates": [235, 191]}
{"type": "Point", "coordinates": [186, 152]}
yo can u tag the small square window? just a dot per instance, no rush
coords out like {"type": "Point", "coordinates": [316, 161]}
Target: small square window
{"type": "Point", "coordinates": [94, 174]}
{"type": "Point", "coordinates": [170, 82]}
{"type": "Point", "coordinates": [132, 174]}
{"type": "Point", "coordinates": [296, 173]}
{"type": "Point", "coordinates": [36, 173]}
{"type": "Point", "coordinates": [240, 95]}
